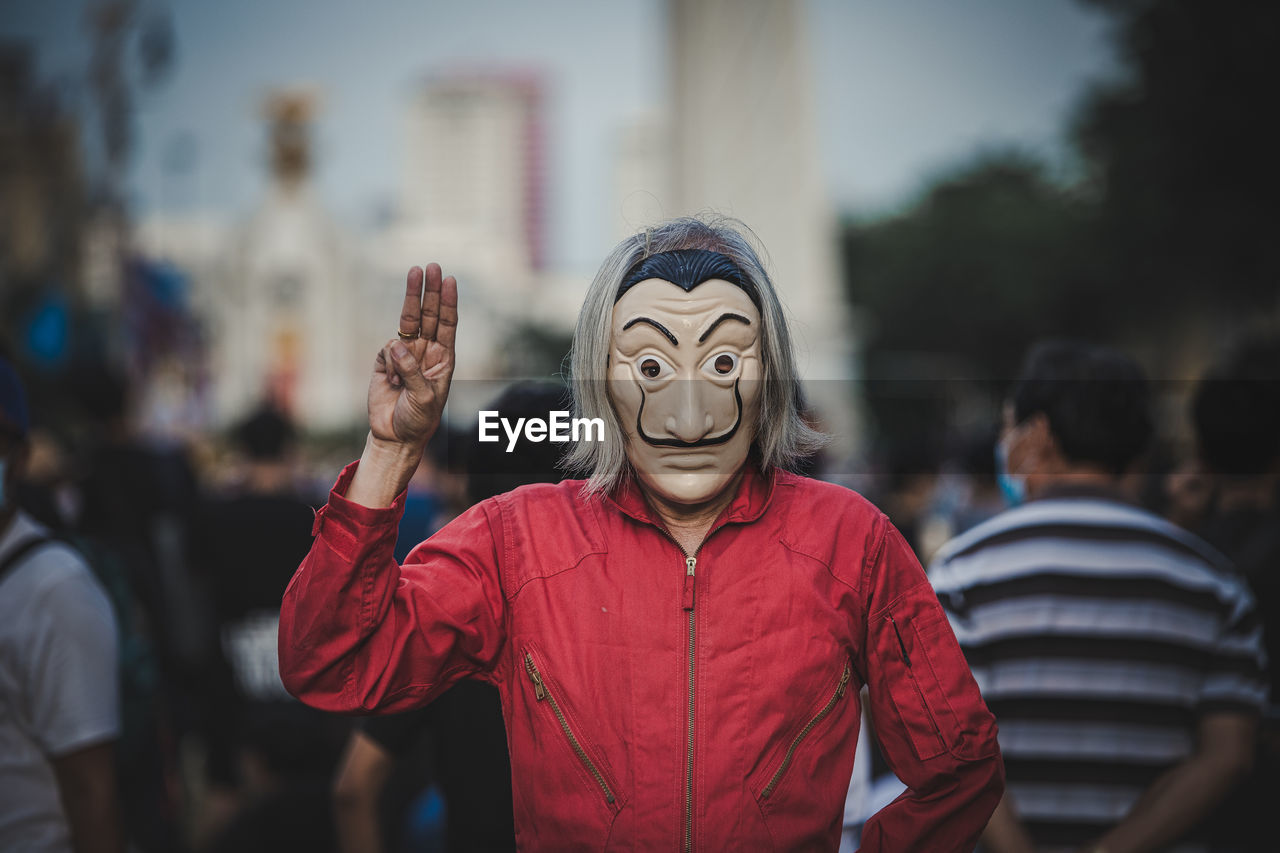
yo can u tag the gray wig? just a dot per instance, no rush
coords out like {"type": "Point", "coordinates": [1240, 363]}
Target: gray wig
{"type": "Point", "coordinates": [783, 437]}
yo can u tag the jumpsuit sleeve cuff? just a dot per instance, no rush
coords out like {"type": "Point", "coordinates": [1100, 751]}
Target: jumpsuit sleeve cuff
{"type": "Point", "coordinates": [351, 516]}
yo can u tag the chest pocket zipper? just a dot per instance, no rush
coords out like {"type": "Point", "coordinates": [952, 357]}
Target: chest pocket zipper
{"type": "Point", "coordinates": [542, 693]}
{"type": "Point", "coordinates": [804, 733]}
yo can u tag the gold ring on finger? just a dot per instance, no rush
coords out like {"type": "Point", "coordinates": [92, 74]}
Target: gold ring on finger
{"type": "Point", "coordinates": [407, 336]}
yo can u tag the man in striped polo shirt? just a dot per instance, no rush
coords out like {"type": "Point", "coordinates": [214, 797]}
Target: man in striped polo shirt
{"type": "Point", "coordinates": [1120, 655]}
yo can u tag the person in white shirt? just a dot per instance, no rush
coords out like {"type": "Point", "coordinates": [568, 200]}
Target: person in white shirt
{"type": "Point", "coordinates": [59, 695]}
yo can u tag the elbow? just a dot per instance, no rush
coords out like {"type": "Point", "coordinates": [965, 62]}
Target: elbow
{"type": "Point", "coordinates": [984, 780]}
{"type": "Point", "coordinates": [294, 682]}
{"type": "Point", "coordinates": [1235, 765]}
{"type": "Point", "coordinates": [988, 780]}
{"type": "Point", "coordinates": [310, 679]}
{"type": "Point", "coordinates": [293, 664]}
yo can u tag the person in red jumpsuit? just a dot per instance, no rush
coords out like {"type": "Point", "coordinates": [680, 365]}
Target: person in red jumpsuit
{"type": "Point", "coordinates": [679, 640]}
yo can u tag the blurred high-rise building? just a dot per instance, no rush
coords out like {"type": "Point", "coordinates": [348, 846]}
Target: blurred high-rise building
{"type": "Point", "coordinates": [744, 139]}
{"type": "Point", "coordinates": [641, 173]}
{"type": "Point", "coordinates": [474, 162]}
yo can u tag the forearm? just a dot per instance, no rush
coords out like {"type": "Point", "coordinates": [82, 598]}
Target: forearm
{"type": "Point", "coordinates": [86, 783]}
{"type": "Point", "coordinates": [1173, 805]}
{"type": "Point", "coordinates": [384, 472]}
{"type": "Point", "coordinates": [357, 789]}
{"type": "Point", "coordinates": [1005, 832]}
{"type": "Point", "coordinates": [356, 821]}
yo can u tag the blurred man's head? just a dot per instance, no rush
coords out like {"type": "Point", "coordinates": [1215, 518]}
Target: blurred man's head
{"type": "Point", "coordinates": [1236, 411]}
{"type": "Point", "coordinates": [1078, 412]}
{"type": "Point", "coordinates": [266, 438]}
{"type": "Point", "coordinates": [14, 424]}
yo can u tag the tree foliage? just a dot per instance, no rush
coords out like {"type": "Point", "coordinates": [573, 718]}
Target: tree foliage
{"type": "Point", "coordinates": [1170, 221]}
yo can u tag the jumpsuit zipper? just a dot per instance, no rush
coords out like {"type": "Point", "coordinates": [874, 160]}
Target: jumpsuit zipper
{"type": "Point", "coordinates": [541, 692]}
{"type": "Point", "coordinates": [804, 733]}
{"type": "Point", "coordinates": [687, 603]}
{"type": "Point", "coordinates": [690, 564]}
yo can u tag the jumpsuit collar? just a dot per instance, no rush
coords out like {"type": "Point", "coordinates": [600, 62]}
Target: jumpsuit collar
{"type": "Point", "coordinates": [754, 492]}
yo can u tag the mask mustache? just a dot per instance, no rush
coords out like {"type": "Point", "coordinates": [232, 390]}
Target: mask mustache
{"type": "Point", "coordinates": [702, 442]}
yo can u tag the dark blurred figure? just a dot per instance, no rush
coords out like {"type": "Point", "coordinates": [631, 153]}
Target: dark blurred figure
{"type": "Point", "coordinates": [1118, 652]}
{"type": "Point", "coordinates": [269, 757]}
{"type": "Point", "coordinates": [909, 487]}
{"type": "Point", "coordinates": [1236, 411]}
{"type": "Point", "coordinates": [59, 695]}
{"type": "Point", "coordinates": [136, 499]}
{"type": "Point", "coordinates": [469, 748]}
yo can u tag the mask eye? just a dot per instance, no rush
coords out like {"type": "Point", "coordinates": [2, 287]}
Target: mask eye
{"type": "Point", "coordinates": [721, 364]}
{"type": "Point", "coordinates": [652, 367]}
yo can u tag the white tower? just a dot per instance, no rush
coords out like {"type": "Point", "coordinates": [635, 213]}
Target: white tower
{"type": "Point", "coordinates": [286, 302]}
{"type": "Point", "coordinates": [744, 140]}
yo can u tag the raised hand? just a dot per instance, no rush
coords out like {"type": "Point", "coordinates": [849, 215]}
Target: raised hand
{"type": "Point", "coordinates": [409, 386]}
{"type": "Point", "coordinates": [410, 381]}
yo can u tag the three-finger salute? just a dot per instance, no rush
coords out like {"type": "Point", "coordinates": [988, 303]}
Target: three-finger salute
{"type": "Point", "coordinates": [409, 386]}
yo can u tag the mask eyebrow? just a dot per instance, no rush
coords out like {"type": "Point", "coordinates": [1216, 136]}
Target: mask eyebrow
{"type": "Point", "coordinates": [719, 320]}
{"type": "Point", "coordinates": [661, 328]}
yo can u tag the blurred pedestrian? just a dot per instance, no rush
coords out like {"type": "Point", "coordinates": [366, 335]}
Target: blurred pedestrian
{"type": "Point", "coordinates": [1236, 411]}
{"type": "Point", "coordinates": [59, 697]}
{"type": "Point", "coordinates": [269, 757]}
{"type": "Point", "coordinates": [1119, 653]}
{"type": "Point", "coordinates": [132, 500]}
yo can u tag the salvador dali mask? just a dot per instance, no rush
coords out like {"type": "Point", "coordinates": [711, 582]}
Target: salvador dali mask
{"type": "Point", "coordinates": [685, 370]}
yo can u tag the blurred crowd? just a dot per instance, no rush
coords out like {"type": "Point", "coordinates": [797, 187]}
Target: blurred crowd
{"type": "Point", "coordinates": [1113, 598]}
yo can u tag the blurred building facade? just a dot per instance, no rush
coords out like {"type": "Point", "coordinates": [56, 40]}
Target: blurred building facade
{"type": "Point", "coordinates": [473, 171]}
{"type": "Point", "coordinates": [275, 291]}
{"type": "Point", "coordinates": [296, 305]}
{"type": "Point", "coordinates": [739, 137]}
{"type": "Point", "coordinates": [43, 193]}
{"type": "Point", "coordinates": [749, 148]}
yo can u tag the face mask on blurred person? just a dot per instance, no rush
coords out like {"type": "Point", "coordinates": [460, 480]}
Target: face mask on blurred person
{"type": "Point", "coordinates": [1012, 486]}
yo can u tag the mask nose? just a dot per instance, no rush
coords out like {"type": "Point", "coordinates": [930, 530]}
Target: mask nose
{"type": "Point", "coordinates": [692, 419]}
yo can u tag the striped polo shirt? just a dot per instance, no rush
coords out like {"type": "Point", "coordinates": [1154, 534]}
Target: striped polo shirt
{"type": "Point", "coordinates": [1098, 633]}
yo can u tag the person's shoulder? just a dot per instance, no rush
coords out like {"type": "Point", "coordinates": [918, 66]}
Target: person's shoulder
{"type": "Point", "coordinates": [807, 494]}
{"type": "Point", "coordinates": [53, 583]}
{"type": "Point", "coordinates": [551, 526]}
{"type": "Point", "coordinates": [50, 564]}
{"type": "Point", "coordinates": [545, 512]}
{"type": "Point", "coordinates": [828, 521]}
{"type": "Point", "coordinates": [567, 494]}
{"type": "Point", "coordinates": [990, 530]}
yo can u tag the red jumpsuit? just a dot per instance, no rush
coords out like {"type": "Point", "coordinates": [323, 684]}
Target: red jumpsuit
{"type": "Point", "coordinates": [657, 700]}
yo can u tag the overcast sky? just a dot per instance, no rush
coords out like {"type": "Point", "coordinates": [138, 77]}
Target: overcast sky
{"type": "Point", "coordinates": [905, 88]}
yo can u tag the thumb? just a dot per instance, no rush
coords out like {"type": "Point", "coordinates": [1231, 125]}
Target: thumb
{"type": "Point", "coordinates": [406, 367]}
